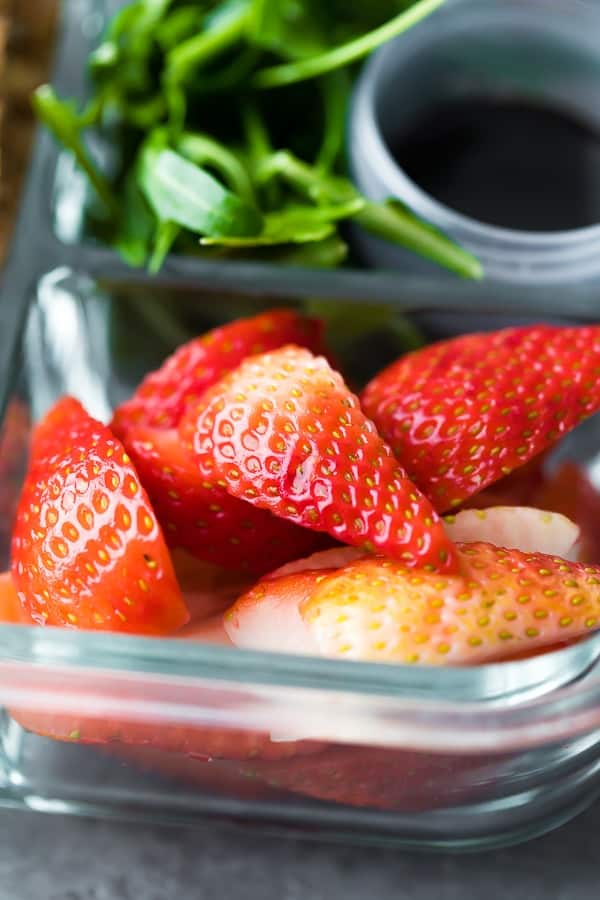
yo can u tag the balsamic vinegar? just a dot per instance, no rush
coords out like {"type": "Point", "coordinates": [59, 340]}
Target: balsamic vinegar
{"type": "Point", "coordinates": [505, 162]}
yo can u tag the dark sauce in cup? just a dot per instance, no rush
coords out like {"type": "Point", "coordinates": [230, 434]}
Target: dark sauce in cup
{"type": "Point", "coordinates": [505, 162]}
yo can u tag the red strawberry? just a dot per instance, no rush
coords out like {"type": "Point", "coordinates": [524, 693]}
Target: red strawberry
{"type": "Point", "coordinates": [462, 413]}
{"type": "Point", "coordinates": [163, 396]}
{"type": "Point", "coordinates": [205, 742]}
{"type": "Point", "coordinates": [375, 777]}
{"type": "Point", "coordinates": [284, 433]}
{"type": "Point", "coordinates": [200, 516]}
{"type": "Point", "coordinates": [87, 550]}
{"type": "Point", "coordinates": [201, 741]}
{"type": "Point", "coordinates": [504, 603]}
{"type": "Point", "coordinates": [10, 608]}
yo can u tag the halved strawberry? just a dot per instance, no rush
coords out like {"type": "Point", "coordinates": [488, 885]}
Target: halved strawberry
{"type": "Point", "coordinates": [161, 399]}
{"type": "Point", "coordinates": [334, 558]}
{"type": "Point", "coordinates": [87, 550]}
{"type": "Point", "coordinates": [10, 608]}
{"type": "Point", "coordinates": [372, 777]}
{"type": "Point", "coordinates": [283, 432]}
{"type": "Point", "coordinates": [519, 527]}
{"type": "Point", "coordinates": [504, 603]}
{"type": "Point", "coordinates": [462, 413]}
{"type": "Point", "coordinates": [570, 491]}
{"type": "Point", "coordinates": [200, 516]}
{"type": "Point", "coordinates": [268, 616]}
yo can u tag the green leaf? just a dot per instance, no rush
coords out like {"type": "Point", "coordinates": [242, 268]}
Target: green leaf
{"type": "Point", "coordinates": [181, 192]}
{"type": "Point", "coordinates": [181, 24]}
{"type": "Point", "coordinates": [335, 89]}
{"type": "Point", "coordinates": [224, 27]}
{"type": "Point", "coordinates": [166, 233]}
{"type": "Point", "coordinates": [291, 29]}
{"type": "Point", "coordinates": [136, 224]}
{"type": "Point", "coordinates": [204, 150]}
{"type": "Point", "coordinates": [395, 222]}
{"type": "Point", "coordinates": [289, 73]}
{"type": "Point", "coordinates": [61, 118]}
{"type": "Point", "coordinates": [293, 225]}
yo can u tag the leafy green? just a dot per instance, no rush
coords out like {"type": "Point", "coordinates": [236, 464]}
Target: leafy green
{"type": "Point", "coordinates": [181, 192]}
{"type": "Point", "coordinates": [60, 117]}
{"type": "Point", "coordinates": [288, 73]}
{"type": "Point", "coordinates": [293, 225]}
{"type": "Point", "coordinates": [229, 118]}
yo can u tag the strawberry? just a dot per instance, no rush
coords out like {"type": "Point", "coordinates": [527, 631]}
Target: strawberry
{"type": "Point", "coordinates": [518, 527]}
{"type": "Point", "coordinates": [462, 413]}
{"type": "Point", "coordinates": [163, 396]}
{"type": "Point", "coordinates": [14, 440]}
{"type": "Point", "coordinates": [202, 741]}
{"type": "Point", "coordinates": [334, 558]}
{"type": "Point", "coordinates": [200, 516]}
{"type": "Point", "coordinates": [569, 490]}
{"type": "Point", "coordinates": [502, 604]}
{"type": "Point", "coordinates": [375, 777]}
{"type": "Point", "coordinates": [87, 550]}
{"type": "Point", "coordinates": [283, 432]}
{"type": "Point", "coordinates": [10, 608]}
{"type": "Point", "coordinates": [268, 616]}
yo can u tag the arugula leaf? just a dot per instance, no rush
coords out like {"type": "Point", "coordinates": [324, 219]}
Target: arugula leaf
{"type": "Point", "coordinates": [335, 89]}
{"type": "Point", "coordinates": [222, 28]}
{"type": "Point", "coordinates": [203, 150]}
{"type": "Point", "coordinates": [293, 30]}
{"type": "Point", "coordinates": [60, 116]}
{"type": "Point", "coordinates": [293, 225]}
{"type": "Point", "coordinates": [136, 224]}
{"type": "Point", "coordinates": [166, 234]}
{"type": "Point", "coordinates": [181, 192]}
{"type": "Point", "coordinates": [289, 73]}
{"type": "Point", "coordinates": [393, 221]}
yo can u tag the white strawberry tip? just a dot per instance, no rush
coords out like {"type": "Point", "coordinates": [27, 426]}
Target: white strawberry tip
{"type": "Point", "coordinates": [522, 528]}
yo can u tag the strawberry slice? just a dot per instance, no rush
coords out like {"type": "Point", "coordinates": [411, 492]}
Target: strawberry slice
{"type": "Point", "coordinates": [10, 608]}
{"type": "Point", "coordinates": [462, 413]}
{"type": "Point", "coordinates": [518, 527]}
{"type": "Point", "coordinates": [570, 491]}
{"type": "Point", "coordinates": [504, 603]}
{"type": "Point", "coordinates": [283, 432]}
{"type": "Point", "coordinates": [161, 399]}
{"type": "Point", "coordinates": [372, 777]}
{"type": "Point", "coordinates": [201, 517]}
{"type": "Point", "coordinates": [87, 550]}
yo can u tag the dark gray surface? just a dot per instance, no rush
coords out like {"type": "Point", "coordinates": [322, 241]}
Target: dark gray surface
{"type": "Point", "coordinates": [55, 858]}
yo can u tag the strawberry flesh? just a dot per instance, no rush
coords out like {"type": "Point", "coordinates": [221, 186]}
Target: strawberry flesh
{"type": "Point", "coordinates": [284, 433]}
{"type": "Point", "coordinates": [87, 550]}
{"type": "Point", "coordinates": [462, 413]}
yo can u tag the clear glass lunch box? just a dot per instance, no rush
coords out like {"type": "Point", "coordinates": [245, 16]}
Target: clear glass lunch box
{"type": "Point", "coordinates": [459, 758]}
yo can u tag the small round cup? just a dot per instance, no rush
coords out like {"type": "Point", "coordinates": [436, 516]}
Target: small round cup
{"type": "Point", "coordinates": [539, 51]}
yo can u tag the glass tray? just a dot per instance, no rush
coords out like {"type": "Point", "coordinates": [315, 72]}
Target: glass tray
{"type": "Point", "coordinates": [453, 758]}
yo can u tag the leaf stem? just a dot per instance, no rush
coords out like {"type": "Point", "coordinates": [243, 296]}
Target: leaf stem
{"type": "Point", "coordinates": [227, 27]}
{"type": "Point", "coordinates": [289, 73]}
{"type": "Point", "coordinates": [62, 121]}
{"type": "Point", "coordinates": [394, 223]}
